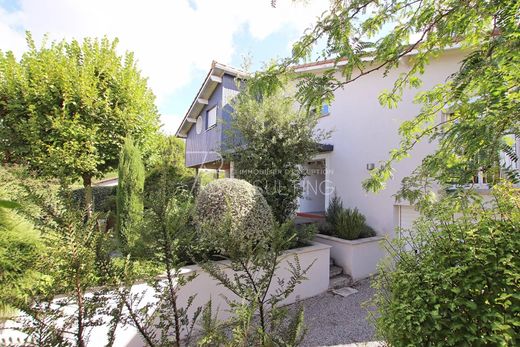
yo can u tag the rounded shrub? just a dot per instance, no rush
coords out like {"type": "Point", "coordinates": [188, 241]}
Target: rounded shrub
{"type": "Point", "coordinates": [235, 207]}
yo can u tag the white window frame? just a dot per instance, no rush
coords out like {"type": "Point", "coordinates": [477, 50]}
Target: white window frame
{"type": "Point", "coordinates": [198, 124]}
{"type": "Point", "coordinates": [210, 123]}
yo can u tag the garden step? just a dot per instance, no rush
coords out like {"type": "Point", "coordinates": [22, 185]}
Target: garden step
{"type": "Point", "coordinates": [340, 281]}
{"type": "Point", "coordinates": [334, 271]}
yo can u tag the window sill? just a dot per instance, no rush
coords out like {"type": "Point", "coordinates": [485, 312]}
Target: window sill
{"type": "Point", "coordinates": [479, 188]}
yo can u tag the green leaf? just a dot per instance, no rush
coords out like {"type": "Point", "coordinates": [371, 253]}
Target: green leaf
{"type": "Point", "coordinates": [9, 204]}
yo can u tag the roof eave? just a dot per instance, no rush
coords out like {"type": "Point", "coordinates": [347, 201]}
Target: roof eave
{"type": "Point", "coordinates": [212, 80]}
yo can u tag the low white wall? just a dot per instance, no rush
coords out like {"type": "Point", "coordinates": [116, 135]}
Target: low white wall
{"type": "Point", "coordinates": [317, 279]}
{"type": "Point", "coordinates": [358, 258]}
{"type": "Point", "coordinates": [208, 288]}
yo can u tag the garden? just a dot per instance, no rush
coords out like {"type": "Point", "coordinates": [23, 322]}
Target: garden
{"type": "Point", "coordinates": [170, 258]}
{"type": "Point", "coordinates": [166, 257]}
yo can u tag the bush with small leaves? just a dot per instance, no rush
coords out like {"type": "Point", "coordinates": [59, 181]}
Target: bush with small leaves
{"type": "Point", "coordinates": [240, 202]}
{"type": "Point", "coordinates": [349, 224]}
{"type": "Point", "coordinates": [334, 209]}
{"type": "Point", "coordinates": [367, 231]}
{"type": "Point", "coordinates": [325, 228]}
{"type": "Point", "coordinates": [103, 198]}
{"type": "Point", "coordinates": [298, 235]}
{"type": "Point", "coordinates": [459, 285]}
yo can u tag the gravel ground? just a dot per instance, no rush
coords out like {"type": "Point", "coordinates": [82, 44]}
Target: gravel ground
{"type": "Point", "coordinates": [334, 320]}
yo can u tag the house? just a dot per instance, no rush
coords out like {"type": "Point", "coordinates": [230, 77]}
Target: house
{"type": "Point", "coordinates": [363, 133]}
{"type": "Point", "coordinates": [204, 124]}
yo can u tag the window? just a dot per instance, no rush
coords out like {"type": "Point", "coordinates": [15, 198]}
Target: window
{"type": "Point", "coordinates": [198, 125]}
{"type": "Point", "coordinates": [212, 117]}
{"type": "Point", "coordinates": [325, 110]}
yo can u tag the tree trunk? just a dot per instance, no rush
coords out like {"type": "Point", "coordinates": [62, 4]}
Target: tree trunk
{"type": "Point", "coordinates": [87, 184]}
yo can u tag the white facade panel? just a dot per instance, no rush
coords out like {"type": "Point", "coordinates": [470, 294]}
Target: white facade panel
{"type": "Point", "coordinates": [364, 132]}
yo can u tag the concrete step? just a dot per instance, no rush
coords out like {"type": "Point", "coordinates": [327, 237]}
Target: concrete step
{"type": "Point", "coordinates": [334, 271]}
{"type": "Point", "coordinates": [340, 281]}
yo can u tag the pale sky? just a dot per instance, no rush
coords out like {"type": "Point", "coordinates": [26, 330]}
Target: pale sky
{"type": "Point", "coordinates": [173, 40]}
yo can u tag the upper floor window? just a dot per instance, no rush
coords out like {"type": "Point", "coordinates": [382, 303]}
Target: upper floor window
{"type": "Point", "coordinates": [325, 110]}
{"type": "Point", "coordinates": [198, 125]}
{"type": "Point", "coordinates": [211, 117]}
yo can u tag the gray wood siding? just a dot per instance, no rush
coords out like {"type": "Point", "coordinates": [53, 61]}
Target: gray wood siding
{"type": "Point", "coordinates": [204, 147]}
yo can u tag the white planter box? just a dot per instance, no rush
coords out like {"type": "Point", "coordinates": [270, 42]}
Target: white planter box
{"type": "Point", "coordinates": [358, 258]}
{"type": "Point", "coordinates": [208, 288]}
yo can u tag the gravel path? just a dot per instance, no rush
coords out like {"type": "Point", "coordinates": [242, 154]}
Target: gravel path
{"type": "Point", "coordinates": [334, 320]}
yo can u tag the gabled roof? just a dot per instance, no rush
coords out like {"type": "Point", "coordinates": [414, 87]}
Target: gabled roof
{"type": "Point", "coordinates": [217, 70]}
{"type": "Point", "coordinates": [212, 80]}
{"type": "Point", "coordinates": [320, 64]}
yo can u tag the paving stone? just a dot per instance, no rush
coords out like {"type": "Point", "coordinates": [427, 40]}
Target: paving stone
{"type": "Point", "coordinates": [340, 281]}
{"type": "Point", "coordinates": [345, 291]}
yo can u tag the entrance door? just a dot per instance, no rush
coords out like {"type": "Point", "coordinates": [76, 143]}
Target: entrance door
{"type": "Point", "coordinates": [314, 188]}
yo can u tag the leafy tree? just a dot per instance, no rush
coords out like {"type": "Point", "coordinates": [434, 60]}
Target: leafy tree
{"type": "Point", "coordinates": [463, 240]}
{"type": "Point", "coordinates": [268, 142]}
{"type": "Point", "coordinates": [168, 159]}
{"type": "Point", "coordinates": [129, 199]}
{"type": "Point", "coordinates": [170, 150]}
{"type": "Point", "coordinates": [66, 108]}
{"type": "Point", "coordinates": [482, 97]}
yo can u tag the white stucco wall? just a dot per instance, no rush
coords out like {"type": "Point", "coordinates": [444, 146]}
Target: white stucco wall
{"type": "Point", "coordinates": [364, 132]}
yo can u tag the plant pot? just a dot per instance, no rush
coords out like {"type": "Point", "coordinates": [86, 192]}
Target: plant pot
{"type": "Point", "coordinates": [358, 258]}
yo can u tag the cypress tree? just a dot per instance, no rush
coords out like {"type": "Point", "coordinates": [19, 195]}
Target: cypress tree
{"type": "Point", "coordinates": [129, 194]}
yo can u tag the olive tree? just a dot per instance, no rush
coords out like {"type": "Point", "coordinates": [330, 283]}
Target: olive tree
{"type": "Point", "coordinates": [270, 139]}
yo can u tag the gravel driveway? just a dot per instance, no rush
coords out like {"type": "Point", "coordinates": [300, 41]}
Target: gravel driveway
{"type": "Point", "coordinates": [335, 320]}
